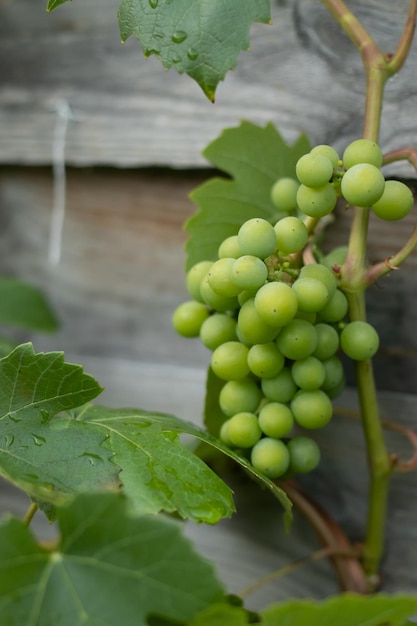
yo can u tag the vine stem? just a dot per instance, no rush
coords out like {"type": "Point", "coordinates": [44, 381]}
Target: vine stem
{"type": "Point", "coordinates": [30, 513]}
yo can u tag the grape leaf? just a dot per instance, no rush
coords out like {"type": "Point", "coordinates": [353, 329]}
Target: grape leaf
{"type": "Point", "coordinates": [157, 471]}
{"type": "Point", "coordinates": [53, 4]}
{"type": "Point", "coordinates": [24, 306]}
{"type": "Point", "coordinates": [201, 38]}
{"type": "Point", "coordinates": [222, 614]}
{"type": "Point", "coordinates": [346, 610]}
{"type": "Point", "coordinates": [47, 456]}
{"type": "Point", "coordinates": [108, 568]}
{"type": "Point", "coordinates": [122, 421]}
{"type": "Point", "coordinates": [255, 157]}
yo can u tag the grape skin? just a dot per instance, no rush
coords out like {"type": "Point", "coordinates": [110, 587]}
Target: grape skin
{"type": "Point", "coordinates": [297, 340]}
{"type": "Point", "coordinates": [243, 430]}
{"type": "Point", "coordinates": [188, 318]}
{"type": "Point", "coordinates": [284, 194]}
{"type": "Point", "coordinates": [281, 388]}
{"type": "Point", "coordinates": [312, 294]}
{"type": "Point", "coordinates": [217, 329]}
{"type": "Point", "coordinates": [257, 237]}
{"type": "Point", "coordinates": [362, 151]}
{"type": "Point", "coordinates": [238, 396]}
{"type": "Point", "coordinates": [314, 170]}
{"type": "Point", "coordinates": [248, 272]}
{"type": "Point", "coordinates": [276, 420]}
{"type": "Point", "coordinates": [395, 203]}
{"type": "Point", "coordinates": [291, 233]}
{"type": "Point", "coordinates": [276, 303]}
{"type": "Point", "coordinates": [359, 340]}
{"type": "Point", "coordinates": [194, 278]}
{"type": "Point", "coordinates": [316, 202]}
{"type": "Point", "coordinates": [311, 409]}
{"type": "Point", "coordinates": [328, 152]}
{"type": "Point", "coordinates": [251, 326]}
{"type": "Point", "coordinates": [362, 185]}
{"type": "Point", "coordinates": [265, 360]}
{"type": "Point", "coordinates": [270, 457]}
{"type": "Point", "coordinates": [304, 454]}
{"type": "Point", "coordinates": [230, 360]}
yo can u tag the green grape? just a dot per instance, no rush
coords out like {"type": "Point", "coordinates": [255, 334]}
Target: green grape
{"type": "Point", "coordinates": [251, 326]}
{"type": "Point", "coordinates": [314, 170]}
{"type": "Point", "coordinates": [243, 430]}
{"type": "Point", "coordinates": [362, 151]}
{"type": "Point", "coordinates": [297, 340]}
{"type": "Point", "coordinates": [359, 340]}
{"type": "Point", "coordinates": [311, 409]}
{"type": "Point", "coordinates": [308, 373]}
{"type": "Point", "coordinates": [336, 309]}
{"type": "Point", "coordinates": [219, 278]}
{"type": "Point", "coordinates": [245, 295]}
{"type": "Point", "coordinates": [257, 236]}
{"type": "Point", "coordinates": [265, 360]}
{"type": "Point", "coordinates": [270, 457]}
{"type": "Point", "coordinates": [223, 434]}
{"type": "Point", "coordinates": [275, 420]}
{"type": "Point", "coordinates": [304, 315]}
{"type": "Point", "coordinates": [238, 396]}
{"type": "Point", "coordinates": [322, 273]}
{"type": "Point", "coordinates": [334, 373]}
{"type": "Point", "coordinates": [195, 277]}
{"type": "Point", "coordinates": [229, 248]}
{"type": "Point", "coordinates": [362, 185]}
{"type": "Point", "coordinates": [328, 152]}
{"type": "Point", "coordinates": [281, 388]}
{"type": "Point", "coordinates": [337, 390]}
{"type": "Point", "coordinates": [318, 201]}
{"type": "Point", "coordinates": [395, 203]}
{"type": "Point", "coordinates": [327, 341]}
{"type": "Point", "coordinates": [291, 233]}
{"type": "Point", "coordinates": [304, 454]}
{"type": "Point", "coordinates": [215, 301]}
{"type": "Point", "coordinates": [276, 303]}
{"type": "Point", "coordinates": [248, 272]}
{"type": "Point", "coordinates": [284, 194]}
{"type": "Point", "coordinates": [336, 257]}
{"type": "Point", "coordinates": [188, 318]}
{"type": "Point", "coordinates": [230, 360]}
{"type": "Point", "coordinates": [312, 294]}
{"type": "Point", "coordinates": [217, 329]}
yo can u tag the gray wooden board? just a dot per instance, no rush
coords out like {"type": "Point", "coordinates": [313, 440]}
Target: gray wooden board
{"type": "Point", "coordinates": [301, 73]}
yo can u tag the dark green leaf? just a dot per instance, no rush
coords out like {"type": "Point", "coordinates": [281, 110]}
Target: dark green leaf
{"type": "Point", "coordinates": [108, 568]}
{"type": "Point", "coordinates": [53, 4]}
{"type": "Point", "coordinates": [346, 610]}
{"type": "Point", "coordinates": [255, 157]}
{"type": "Point", "coordinates": [221, 615]}
{"type": "Point", "coordinates": [115, 419]}
{"type": "Point", "coordinates": [158, 471]}
{"type": "Point", "coordinates": [201, 38]}
{"type": "Point", "coordinates": [25, 306]}
{"type": "Point", "coordinates": [49, 457]}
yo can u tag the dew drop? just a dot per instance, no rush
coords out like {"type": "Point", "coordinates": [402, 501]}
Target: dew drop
{"type": "Point", "coordinates": [14, 419]}
{"type": "Point", "coordinates": [176, 59]}
{"type": "Point", "coordinates": [179, 36]}
{"type": "Point", "coordinates": [153, 3]}
{"type": "Point", "coordinates": [92, 458]}
{"type": "Point", "coordinates": [192, 54]}
{"type": "Point", "coordinates": [38, 440]}
{"type": "Point", "coordinates": [150, 51]}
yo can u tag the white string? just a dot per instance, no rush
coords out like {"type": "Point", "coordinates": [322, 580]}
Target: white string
{"type": "Point", "coordinates": [63, 116]}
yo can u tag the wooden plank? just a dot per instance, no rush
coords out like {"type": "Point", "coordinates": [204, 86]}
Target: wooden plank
{"type": "Point", "coordinates": [301, 74]}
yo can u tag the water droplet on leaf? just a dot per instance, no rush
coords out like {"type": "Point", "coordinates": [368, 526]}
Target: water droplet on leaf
{"type": "Point", "coordinates": [38, 440]}
{"type": "Point", "coordinates": [179, 36]}
{"type": "Point", "coordinates": [153, 3]}
{"type": "Point", "coordinates": [192, 54]}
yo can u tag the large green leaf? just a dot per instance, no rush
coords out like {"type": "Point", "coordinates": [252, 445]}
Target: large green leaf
{"type": "Point", "coordinates": [201, 38]}
{"type": "Point", "coordinates": [24, 306]}
{"type": "Point", "coordinates": [122, 423]}
{"type": "Point", "coordinates": [108, 568]}
{"type": "Point", "coordinates": [255, 157]}
{"type": "Point", "coordinates": [49, 457]}
{"type": "Point", "coordinates": [157, 471]}
{"type": "Point", "coordinates": [346, 610]}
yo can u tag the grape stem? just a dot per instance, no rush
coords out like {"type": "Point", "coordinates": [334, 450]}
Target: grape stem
{"type": "Point", "coordinates": [355, 275]}
{"type": "Point", "coordinates": [30, 513]}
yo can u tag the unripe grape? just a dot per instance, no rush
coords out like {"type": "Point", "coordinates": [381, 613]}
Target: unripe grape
{"type": "Point", "coordinates": [322, 273]}
{"type": "Point", "coordinates": [292, 234]}
{"type": "Point", "coordinates": [395, 203]}
{"type": "Point", "coordinates": [216, 301]}
{"type": "Point", "coordinates": [308, 373]}
{"type": "Point", "coordinates": [327, 341]}
{"type": "Point", "coordinates": [243, 430]}
{"type": "Point", "coordinates": [362, 185]}
{"type": "Point", "coordinates": [334, 373]}
{"type": "Point", "coordinates": [270, 457]}
{"type": "Point", "coordinates": [336, 257]}
{"type": "Point", "coordinates": [311, 409]}
{"type": "Point", "coordinates": [297, 340]}
{"type": "Point", "coordinates": [328, 152]}
{"type": "Point", "coordinates": [238, 396]}
{"type": "Point", "coordinates": [312, 294]}
{"type": "Point", "coordinates": [220, 280]}
{"type": "Point", "coordinates": [304, 454]}
{"type": "Point", "coordinates": [248, 272]}
{"type": "Point", "coordinates": [276, 303]}
{"type": "Point", "coordinates": [275, 420]}
{"type": "Point", "coordinates": [252, 327]}
{"type": "Point", "coordinates": [229, 247]}
{"type": "Point", "coordinates": [362, 151]}
{"type": "Point", "coordinates": [281, 388]}
{"type": "Point", "coordinates": [265, 360]}
{"type": "Point", "coordinates": [188, 318]}
{"type": "Point", "coordinates": [317, 202]}
{"type": "Point", "coordinates": [217, 329]}
{"type": "Point", "coordinates": [257, 236]}
{"type": "Point", "coordinates": [284, 194]}
{"type": "Point", "coordinates": [359, 340]}
{"type": "Point", "coordinates": [230, 360]}
{"type": "Point", "coordinates": [195, 277]}
{"type": "Point", "coordinates": [314, 170]}
{"type": "Point", "coordinates": [336, 309]}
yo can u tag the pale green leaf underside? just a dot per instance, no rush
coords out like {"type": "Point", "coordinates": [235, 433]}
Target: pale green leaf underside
{"type": "Point", "coordinates": [202, 38]}
{"type": "Point", "coordinates": [255, 157]}
{"type": "Point", "coordinates": [118, 421]}
{"type": "Point", "coordinates": [109, 568]}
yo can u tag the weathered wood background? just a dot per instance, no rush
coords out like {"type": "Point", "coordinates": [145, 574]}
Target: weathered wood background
{"type": "Point", "coordinates": [133, 154]}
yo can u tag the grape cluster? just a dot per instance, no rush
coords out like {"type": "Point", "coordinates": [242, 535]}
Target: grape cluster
{"type": "Point", "coordinates": [276, 324]}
